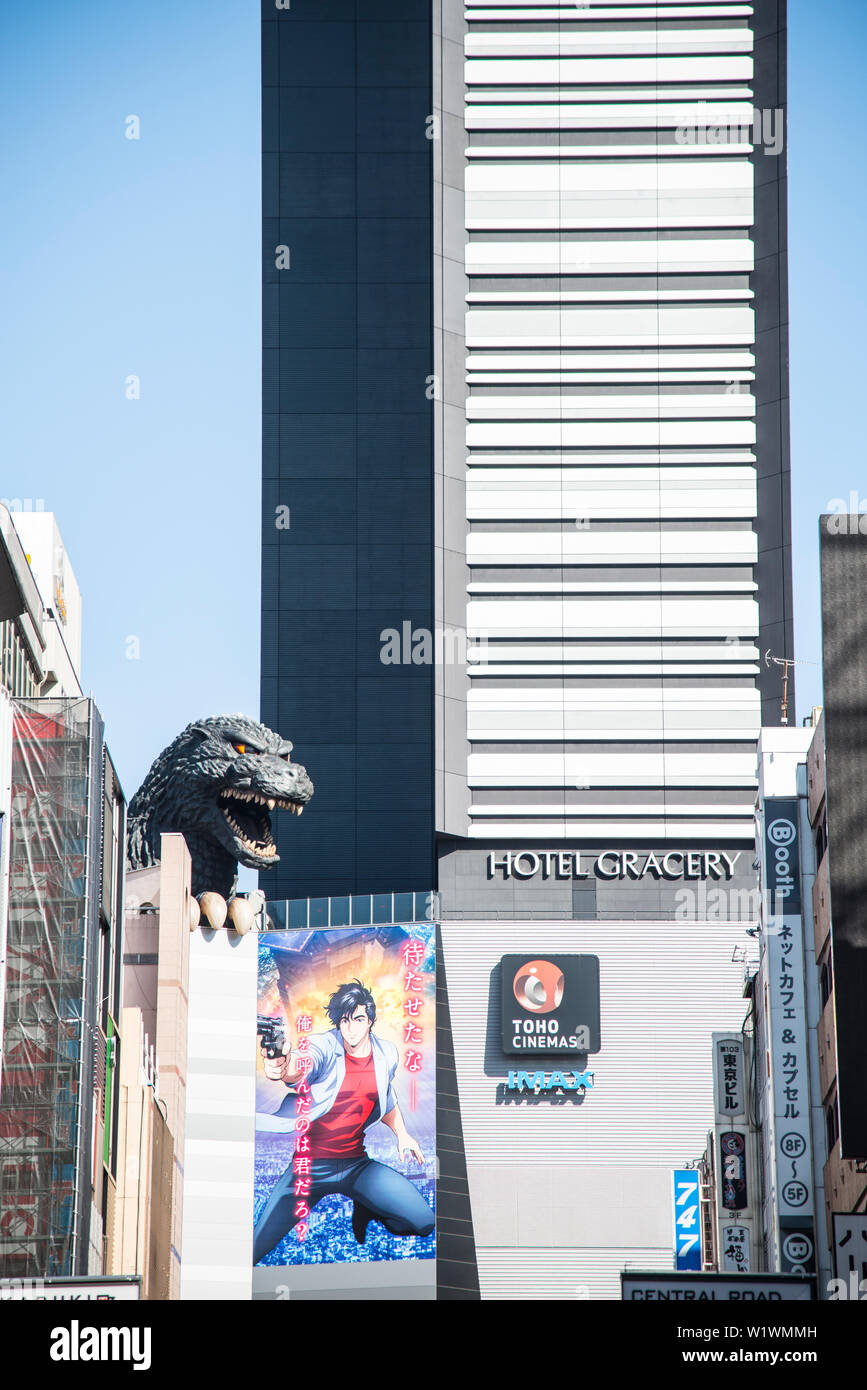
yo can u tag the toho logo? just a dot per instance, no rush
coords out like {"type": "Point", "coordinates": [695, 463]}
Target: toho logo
{"type": "Point", "coordinates": [549, 1003]}
{"type": "Point", "coordinates": [539, 986]}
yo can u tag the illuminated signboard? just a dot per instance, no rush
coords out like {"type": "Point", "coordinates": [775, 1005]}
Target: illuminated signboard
{"type": "Point", "coordinates": [550, 1005]}
{"type": "Point", "coordinates": [788, 1038]}
{"type": "Point", "coordinates": [538, 1081]}
{"type": "Point", "coordinates": [687, 1218]}
{"type": "Point", "coordinates": [345, 1153]}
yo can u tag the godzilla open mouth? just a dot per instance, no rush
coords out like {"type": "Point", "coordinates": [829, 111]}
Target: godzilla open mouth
{"type": "Point", "coordinates": [247, 816]}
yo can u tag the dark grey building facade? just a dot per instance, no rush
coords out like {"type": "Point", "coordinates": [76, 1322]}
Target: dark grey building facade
{"type": "Point", "coordinates": [348, 481]}
{"type": "Point", "coordinates": [552, 425]}
{"type": "Point", "coordinates": [843, 548]}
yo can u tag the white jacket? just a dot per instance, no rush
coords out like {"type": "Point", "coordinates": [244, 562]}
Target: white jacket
{"type": "Point", "coordinates": [329, 1069]}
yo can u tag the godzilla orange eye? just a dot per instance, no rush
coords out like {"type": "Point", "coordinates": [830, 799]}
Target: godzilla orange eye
{"type": "Point", "coordinates": [241, 747]}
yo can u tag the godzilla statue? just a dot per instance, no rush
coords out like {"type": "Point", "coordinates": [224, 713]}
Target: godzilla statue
{"type": "Point", "coordinates": [216, 785]}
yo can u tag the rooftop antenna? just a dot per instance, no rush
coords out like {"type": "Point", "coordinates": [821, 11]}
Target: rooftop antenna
{"type": "Point", "coordinates": [785, 662]}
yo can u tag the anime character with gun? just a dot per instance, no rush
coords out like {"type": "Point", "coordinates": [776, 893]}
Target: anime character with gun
{"type": "Point", "coordinates": [350, 1073]}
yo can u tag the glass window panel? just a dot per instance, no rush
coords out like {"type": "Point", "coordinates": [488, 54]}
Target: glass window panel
{"type": "Point", "coordinates": [382, 907]}
{"type": "Point", "coordinates": [318, 912]}
{"type": "Point", "coordinates": [361, 911]}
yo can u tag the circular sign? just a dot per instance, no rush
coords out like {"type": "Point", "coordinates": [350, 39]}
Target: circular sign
{"type": "Point", "coordinates": [781, 832]}
{"type": "Point", "coordinates": [793, 1145]}
{"type": "Point", "coordinates": [538, 986]}
{"type": "Point", "coordinates": [798, 1248]}
{"type": "Point", "coordinates": [795, 1194]}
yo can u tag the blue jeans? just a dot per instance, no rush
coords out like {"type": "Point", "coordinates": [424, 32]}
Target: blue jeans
{"type": "Point", "coordinates": [388, 1195]}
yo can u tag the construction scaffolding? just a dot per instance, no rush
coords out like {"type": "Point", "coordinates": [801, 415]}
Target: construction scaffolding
{"type": "Point", "coordinates": [46, 1081]}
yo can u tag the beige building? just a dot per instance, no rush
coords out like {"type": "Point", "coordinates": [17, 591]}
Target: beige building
{"type": "Point", "coordinates": [145, 1236]}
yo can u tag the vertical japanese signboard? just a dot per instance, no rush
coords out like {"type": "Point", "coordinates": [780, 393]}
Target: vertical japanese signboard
{"type": "Point", "coordinates": [787, 1031]}
{"type": "Point", "coordinates": [733, 1147]}
{"type": "Point", "coordinates": [733, 1170]}
{"type": "Point", "coordinates": [687, 1219]}
{"type": "Point", "coordinates": [735, 1249]}
{"type": "Point", "coordinates": [850, 1255]}
{"type": "Point", "coordinates": [728, 1049]}
{"type": "Point", "coordinates": [346, 1096]}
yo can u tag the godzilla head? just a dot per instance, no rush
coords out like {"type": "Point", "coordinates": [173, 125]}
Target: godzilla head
{"type": "Point", "coordinates": [217, 785]}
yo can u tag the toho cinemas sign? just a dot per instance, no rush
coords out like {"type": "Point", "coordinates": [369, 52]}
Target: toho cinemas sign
{"type": "Point", "coordinates": [612, 864]}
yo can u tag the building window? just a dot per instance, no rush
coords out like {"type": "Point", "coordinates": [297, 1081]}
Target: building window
{"type": "Point", "coordinates": [826, 979]}
{"type": "Point", "coordinates": [821, 840]}
{"type": "Point", "coordinates": [832, 1124]}
{"type": "Point", "coordinates": [18, 674]}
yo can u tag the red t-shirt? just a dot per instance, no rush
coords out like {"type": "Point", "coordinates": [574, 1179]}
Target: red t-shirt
{"type": "Point", "coordinates": [340, 1132]}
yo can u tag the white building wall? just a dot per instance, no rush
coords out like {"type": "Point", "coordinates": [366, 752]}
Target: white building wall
{"type": "Point", "coordinates": [217, 1250]}
{"type": "Point", "coordinates": [611, 421]}
{"type": "Point", "coordinates": [564, 1197]}
{"type": "Point", "coordinates": [58, 588]}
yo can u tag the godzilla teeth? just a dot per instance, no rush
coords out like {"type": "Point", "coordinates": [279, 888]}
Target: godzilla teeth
{"type": "Point", "coordinates": [264, 848]}
{"type": "Point", "coordinates": [261, 847]}
{"type": "Point", "coordinates": [269, 803]}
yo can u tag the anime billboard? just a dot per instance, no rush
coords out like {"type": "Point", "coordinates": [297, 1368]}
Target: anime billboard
{"type": "Point", "coordinates": [346, 1096]}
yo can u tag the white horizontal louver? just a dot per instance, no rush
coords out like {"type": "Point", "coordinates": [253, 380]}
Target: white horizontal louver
{"type": "Point", "coordinates": [610, 420]}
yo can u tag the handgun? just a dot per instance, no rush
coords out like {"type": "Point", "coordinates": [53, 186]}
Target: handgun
{"type": "Point", "coordinates": [273, 1035]}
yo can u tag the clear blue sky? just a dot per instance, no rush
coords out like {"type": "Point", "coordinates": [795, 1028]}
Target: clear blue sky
{"type": "Point", "coordinates": [139, 256]}
{"type": "Point", "coordinates": [827, 290]}
{"type": "Point", "coordinates": [142, 256]}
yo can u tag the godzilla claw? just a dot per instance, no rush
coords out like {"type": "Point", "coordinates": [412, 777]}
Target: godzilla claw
{"type": "Point", "coordinates": [241, 914]}
{"type": "Point", "coordinates": [214, 910]}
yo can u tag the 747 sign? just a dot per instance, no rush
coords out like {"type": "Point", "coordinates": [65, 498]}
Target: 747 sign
{"type": "Point", "coordinates": [687, 1219]}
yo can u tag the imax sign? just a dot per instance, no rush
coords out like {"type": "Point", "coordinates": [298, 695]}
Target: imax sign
{"type": "Point", "coordinates": [539, 1081]}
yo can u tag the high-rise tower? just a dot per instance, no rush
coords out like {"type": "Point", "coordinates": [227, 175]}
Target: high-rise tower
{"type": "Point", "coordinates": [526, 546]}
{"type": "Point", "coordinates": [525, 349]}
